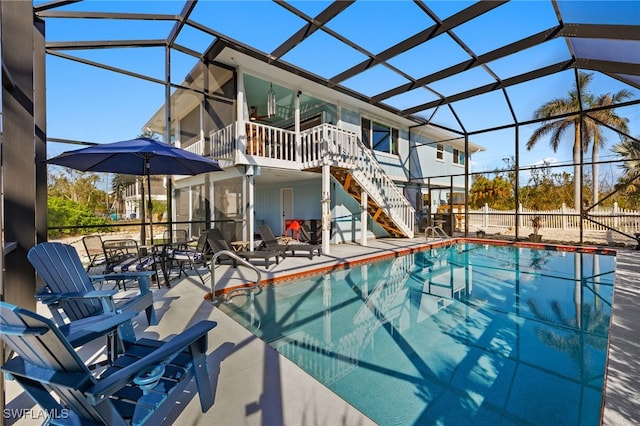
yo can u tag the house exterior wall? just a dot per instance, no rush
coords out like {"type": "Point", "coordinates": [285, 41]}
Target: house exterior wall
{"type": "Point", "coordinates": [306, 199]}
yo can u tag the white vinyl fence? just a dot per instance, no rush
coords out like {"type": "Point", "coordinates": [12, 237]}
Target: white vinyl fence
{"type": "Point", "coordinates": [627, 221]}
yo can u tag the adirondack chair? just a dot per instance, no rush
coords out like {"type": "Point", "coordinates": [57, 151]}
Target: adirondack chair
{"type": "Point", "coordinates": [68, 288]}
{"type": "Point", "coordinates": [141, 386]}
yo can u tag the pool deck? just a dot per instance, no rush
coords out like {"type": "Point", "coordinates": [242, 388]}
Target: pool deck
{"type": "Point", "coordinates": [254, 385]}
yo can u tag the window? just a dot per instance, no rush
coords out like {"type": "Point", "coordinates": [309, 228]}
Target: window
{"type": "Point", "coordinates": [379, 137]}
{"type": "Point", "coordinates": [440, 152]}
{"type": "Point", "coordinates": [366, 130]}
{"type": "Point", "coordinates": [190, 128]}
{"type": "Point", "coordinates": [458, 157]}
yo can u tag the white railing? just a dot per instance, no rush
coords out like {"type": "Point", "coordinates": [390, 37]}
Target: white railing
{"type": "Point", "coordinates": [223, 143]}
{"type": "Point", "coordinates": [197, 148]}
{"type": "Point", "coordinates": [328, 144]}
{"type": "Point", "coordinates": [310, 149]}
{"type": "Point", "coordinates": [627, 221]}
{"type": "Point", "coordinates": [269, 142]}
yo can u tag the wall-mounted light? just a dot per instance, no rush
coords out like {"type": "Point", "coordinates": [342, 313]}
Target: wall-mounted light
{"type": "Point", "coordinates": [271, 102]}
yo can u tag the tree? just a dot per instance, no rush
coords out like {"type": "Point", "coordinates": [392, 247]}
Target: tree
{"type": "Point", "coordinates": [629, 149]}
{"type": "Point", "coordinates": [629, 182]}
{"type": "Point", "coordinates": [79, 187]}
{"type": "Point", "coordinates": [610, 118]}
{"type": "Point", "coordinates": [586, 129]}
{"type": "Point", "coordinates": [546, 190]}
{"type": "Point", "coordinates": [496, 193]}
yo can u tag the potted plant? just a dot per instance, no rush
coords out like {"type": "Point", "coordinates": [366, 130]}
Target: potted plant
{"type": "Point", "coordinates": [536, 224]}
{"type": "Point", "coordinates": [481, 233]}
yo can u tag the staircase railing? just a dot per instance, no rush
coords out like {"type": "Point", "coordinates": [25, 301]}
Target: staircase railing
{"type": "Point", "coordinates": [328, 144]}
{"type": "Point", "coordinates": [375, 181]}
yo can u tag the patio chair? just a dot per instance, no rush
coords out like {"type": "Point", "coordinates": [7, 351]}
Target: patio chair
{"type": "Point", "coordinates": [140, 387]}
{"type": "Point", "coordinates": [270, 243]}
{"type": "Point", "coordinates": [175, 255]}
{"type": "Point", "coordinates": [218, 243]}
{"type": "Point", "coordinates": [179, 236]}
{"type": "Point", "coordinates": [69, 290]}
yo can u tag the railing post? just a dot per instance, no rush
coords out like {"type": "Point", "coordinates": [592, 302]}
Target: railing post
{"type": "Point", "coordinates": [326, 209]}
{"type": "Point", "coordinates": [616, 210]}
{"type": "Point", "coordinates": [564, 216]}
{"type": "Point", "coordinates": [241, 140]}
{"type": "Point", "coordinates": [363, 218]}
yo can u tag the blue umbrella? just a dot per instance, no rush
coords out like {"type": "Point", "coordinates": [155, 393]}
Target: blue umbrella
{"type": "Point", "coordinates": [141, 156]}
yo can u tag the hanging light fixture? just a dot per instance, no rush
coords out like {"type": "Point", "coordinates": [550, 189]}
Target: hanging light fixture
{"type": "Point", "coordinates": [271, 102]}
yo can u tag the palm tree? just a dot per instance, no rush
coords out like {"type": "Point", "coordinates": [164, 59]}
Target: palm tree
{"type": "Point", "coordinates": [629, 149]}
{"type": "Point", "coordinates": [588, 128]}
{"type": "Point", "coordinates": [610, 118]}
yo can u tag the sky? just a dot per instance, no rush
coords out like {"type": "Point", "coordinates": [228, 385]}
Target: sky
{"type": "Point", "coordinates": [91, 104]}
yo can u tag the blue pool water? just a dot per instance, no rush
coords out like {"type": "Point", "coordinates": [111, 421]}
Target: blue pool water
{"type": "Point", "coordinates": [458, 335]}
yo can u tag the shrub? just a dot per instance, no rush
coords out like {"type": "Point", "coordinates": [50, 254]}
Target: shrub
{"type": "Point", "coordinates": [63, 212]}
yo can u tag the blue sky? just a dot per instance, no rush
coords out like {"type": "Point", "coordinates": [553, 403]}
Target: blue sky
{"type": "Point", "coordinates": [91, 104]}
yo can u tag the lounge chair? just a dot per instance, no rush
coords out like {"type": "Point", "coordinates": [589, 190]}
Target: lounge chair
{"type": "Point", "coordinates": [141, 386]}
{"type": "Point", "coordinates": [95, 252]}
{"type": "Point", "coordinates": [270, 243]}
{"type": "Point", "coordinates": [69, 290]}
{"type": "Point", "coordinates": [218, 243]}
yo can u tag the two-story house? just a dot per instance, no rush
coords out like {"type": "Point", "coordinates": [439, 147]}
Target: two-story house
{"type": "Point", "coordinates": [293, 147]}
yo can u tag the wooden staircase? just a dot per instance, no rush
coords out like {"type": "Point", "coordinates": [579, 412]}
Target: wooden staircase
{"type": "Point", "coordinates": [377, 212]}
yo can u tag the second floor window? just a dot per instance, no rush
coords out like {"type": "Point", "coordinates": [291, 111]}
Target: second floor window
{"type": "Point", "coordinates": [379, 137]}
{"type": "Point", "coordinates": [458, 157]}
{"type": "Point", "coordinates": [439, 152]}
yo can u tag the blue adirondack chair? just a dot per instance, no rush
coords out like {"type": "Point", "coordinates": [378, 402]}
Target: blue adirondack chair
{"type": "Point", "coordinates": [68, 288]}
{"type": "Point", "coordinates": [141, 386]}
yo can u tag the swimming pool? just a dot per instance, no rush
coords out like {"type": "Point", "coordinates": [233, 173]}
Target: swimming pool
{"type": "Point", "coordinates": [464, 334]}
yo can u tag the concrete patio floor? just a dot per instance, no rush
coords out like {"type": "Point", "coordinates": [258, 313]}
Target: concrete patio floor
{"type": "Point", "coordinates": [254, 385]}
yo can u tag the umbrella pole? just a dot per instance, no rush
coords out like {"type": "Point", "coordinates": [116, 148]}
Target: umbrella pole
{"type": "Point", "coordinates": [150, 205]}
{"type": "Point", "coordinates": [143, 210]}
